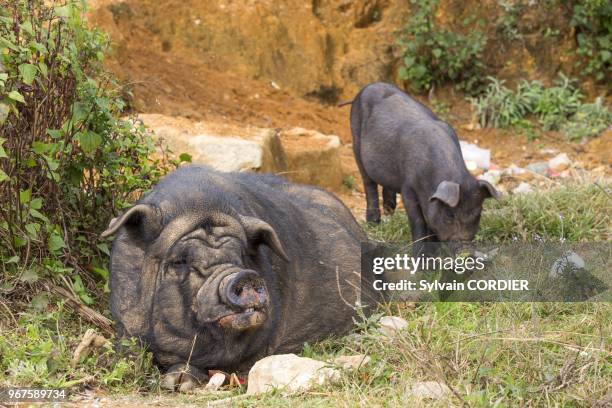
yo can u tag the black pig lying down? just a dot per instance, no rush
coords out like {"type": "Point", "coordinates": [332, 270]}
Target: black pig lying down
{"type": "Point", "coordinates": [221, 269]}
{"type": "Point", "coordinates": [401, 145]}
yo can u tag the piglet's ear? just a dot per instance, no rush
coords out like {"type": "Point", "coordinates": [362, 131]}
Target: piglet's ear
{"type": "Point", "coordinates": [488, 190]}
{"type": "Point", "coordinates": [260, 232]}
{"type": "Point", "coordinates": [142, 219]}
{"type": "Point", "coordinates": [447, 192]}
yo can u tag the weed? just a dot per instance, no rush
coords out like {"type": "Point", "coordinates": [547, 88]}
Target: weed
{"type": "Point", "coordinates": [37, 352]}
{"type": "Point", "coordinates": [349, 182]}
{"type": "Point", "coordinates": [559, 107]}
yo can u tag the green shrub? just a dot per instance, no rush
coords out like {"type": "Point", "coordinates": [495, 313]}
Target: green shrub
{"type": "Point", "coordinates": [552, 106]}
{"type": "Point", "coordinates": [67, 163]}
{"type": "Point", "coordinates": [499, 106]}
{"type": "Point", "coordinates": [559, 107]}
{"type": "Point", "coordinates": [589, 120]}
{"type": "Point", "coordinates": [592, 20]}
{"type": "Point", "coordinates": [433, 56]}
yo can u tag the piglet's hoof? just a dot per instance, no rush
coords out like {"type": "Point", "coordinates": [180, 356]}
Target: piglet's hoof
{"type": "Point", "coordinates": [182, 378]}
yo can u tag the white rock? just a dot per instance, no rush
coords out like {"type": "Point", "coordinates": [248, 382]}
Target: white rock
{"type": "Point", "coordinates": [549, 151]}
{"type": "Point", "coordinates": [390, 325]}
{"type": "Point", "coordinates": [569, 261]}
{"type": "Point", "coordinates": [538, 168]}
{"type": "Point", "coordinates": [523, 188]}
{"type": "Point", "coordinates": [559, 163]}
{"type": "Point", "coordinates": [352, 362]}
{"type": "Point", "coordinates": [492, 176]}
{"type": "Point", "coordinates": [471, 165]}
{"type": "Point", "coordinates": [471, 152]}
{"type": "Point", "coordinates": [223, 146]}
{"type": "Point", "coordinates": [215, 382]}
{"type": "Point", "coordinates": [514, 170]}
{"type": "Point", "coordinates": [227, 153]}
{"type": "Point", "coordinates": [429, 389]}
{"type": "Point", "coordinates": [289, 373]}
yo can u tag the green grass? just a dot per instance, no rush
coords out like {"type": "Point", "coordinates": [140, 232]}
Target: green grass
{"type": "Point", "coordinates": [500, 354]}
{"type": "Point", "coordinates": [573, 212]}
{"type": "Point", "coordinates": [508, 354]}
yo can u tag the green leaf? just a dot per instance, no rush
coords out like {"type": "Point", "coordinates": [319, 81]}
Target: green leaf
{"type": "Point", "coordinates": [29, 276]}
{"type": "Point", "coordinates": [36, 203]}
{"type": "Point", "coordinates": [3, 176]}
{"type": "Point", "coordinates": [90, 141]}
{"type": "Point", "coordinates": [13, 259]}
{"type": "Point", "coordinates": [56, 243]}
{"type": "Point", "coordinates": [24, 196]}
{"type": "Point", "coordinates": [16, 96]}
{"type": "Point", "coordinates": [63, 11]}
{"type": "Point", "coordinates": [40, 301]}
{"type": "Point", "coordinates": [437, 52]}
{"type": "Point", "coordinates": [54, 133]}
{"type": "Point", "coordinates": [37, 214]}
{"type": "Point", "coordinates": [184, 157]}
{"type": "Point", "coordinates": [2, 151]}
{"type": "Point", "coordinates": [32, 229]}
{"type": "Point", "coordinates": [44, 70]}
{"type": "Point", "coordinates": [80, 290]}
{"type": "Point", "coordinates": [18, 242]}
{"type": "Point", "coordinates": [40, 148]}
{"type": "Point", "coordinates": [103, 247]}
{"type": "Point", "coordinates": [28, 73]}
{"type": "Point", "coordinates": [103, 273]}
{"type": "Point", "coordinates": [27, 27]}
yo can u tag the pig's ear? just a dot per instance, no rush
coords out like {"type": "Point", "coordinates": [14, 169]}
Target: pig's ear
{"type": "Point", "coordinates": [143, 217]}
{"type": "Point", "coordinates": [447, 192]}
{"type": "Point", "coordinates": [260, 232]}
{"type": "Point", "coordinates": [488, 190]}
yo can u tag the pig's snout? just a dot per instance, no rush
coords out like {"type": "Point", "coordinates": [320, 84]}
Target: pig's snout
{"type": "Point", "coordinates": [243, 290]}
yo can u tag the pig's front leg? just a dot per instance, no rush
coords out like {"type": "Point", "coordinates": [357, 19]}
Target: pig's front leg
{"type": "Point", "coordinates": [418, 226]}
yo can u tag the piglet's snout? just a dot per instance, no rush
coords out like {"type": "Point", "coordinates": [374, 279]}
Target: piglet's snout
{"type": "Point", "coordinates": [243, 290]}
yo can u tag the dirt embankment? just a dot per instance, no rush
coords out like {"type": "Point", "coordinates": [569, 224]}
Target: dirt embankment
{"type": "Point", "coordinates": [329, 49]}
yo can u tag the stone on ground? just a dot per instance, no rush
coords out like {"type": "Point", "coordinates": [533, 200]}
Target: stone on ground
{"type": "Point", "coordinates": [559, 163]}
{"type": "Point", "coordinates": [390, 325]}
{"type": "Point", "coordinates": [429, 389]}
{"type": "Point", "coordinates": [215, 382]}
{"type": "Point", "coordinates": [352, 362]}
{"type": "Point", "coordinates": [222, 146]}
{"type": "Point", "coordinates": [289, 373]}
{"type": "Point", "coordinates": [312, 157]}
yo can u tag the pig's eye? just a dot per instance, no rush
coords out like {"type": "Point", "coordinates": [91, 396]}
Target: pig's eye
{"type": "Point", "coordinates": [178, 263]}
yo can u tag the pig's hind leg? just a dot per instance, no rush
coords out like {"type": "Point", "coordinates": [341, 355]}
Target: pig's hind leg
{"type": "Point", "coordinates": [371, 192]}
{"type": "Point", "coordinates": [389, 200]}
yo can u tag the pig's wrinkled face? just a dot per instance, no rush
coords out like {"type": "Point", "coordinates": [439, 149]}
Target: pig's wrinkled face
{"type": "Point", "coordinates": [199, 277]}
{"type": "Point", "coordinates": [209, 270]}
